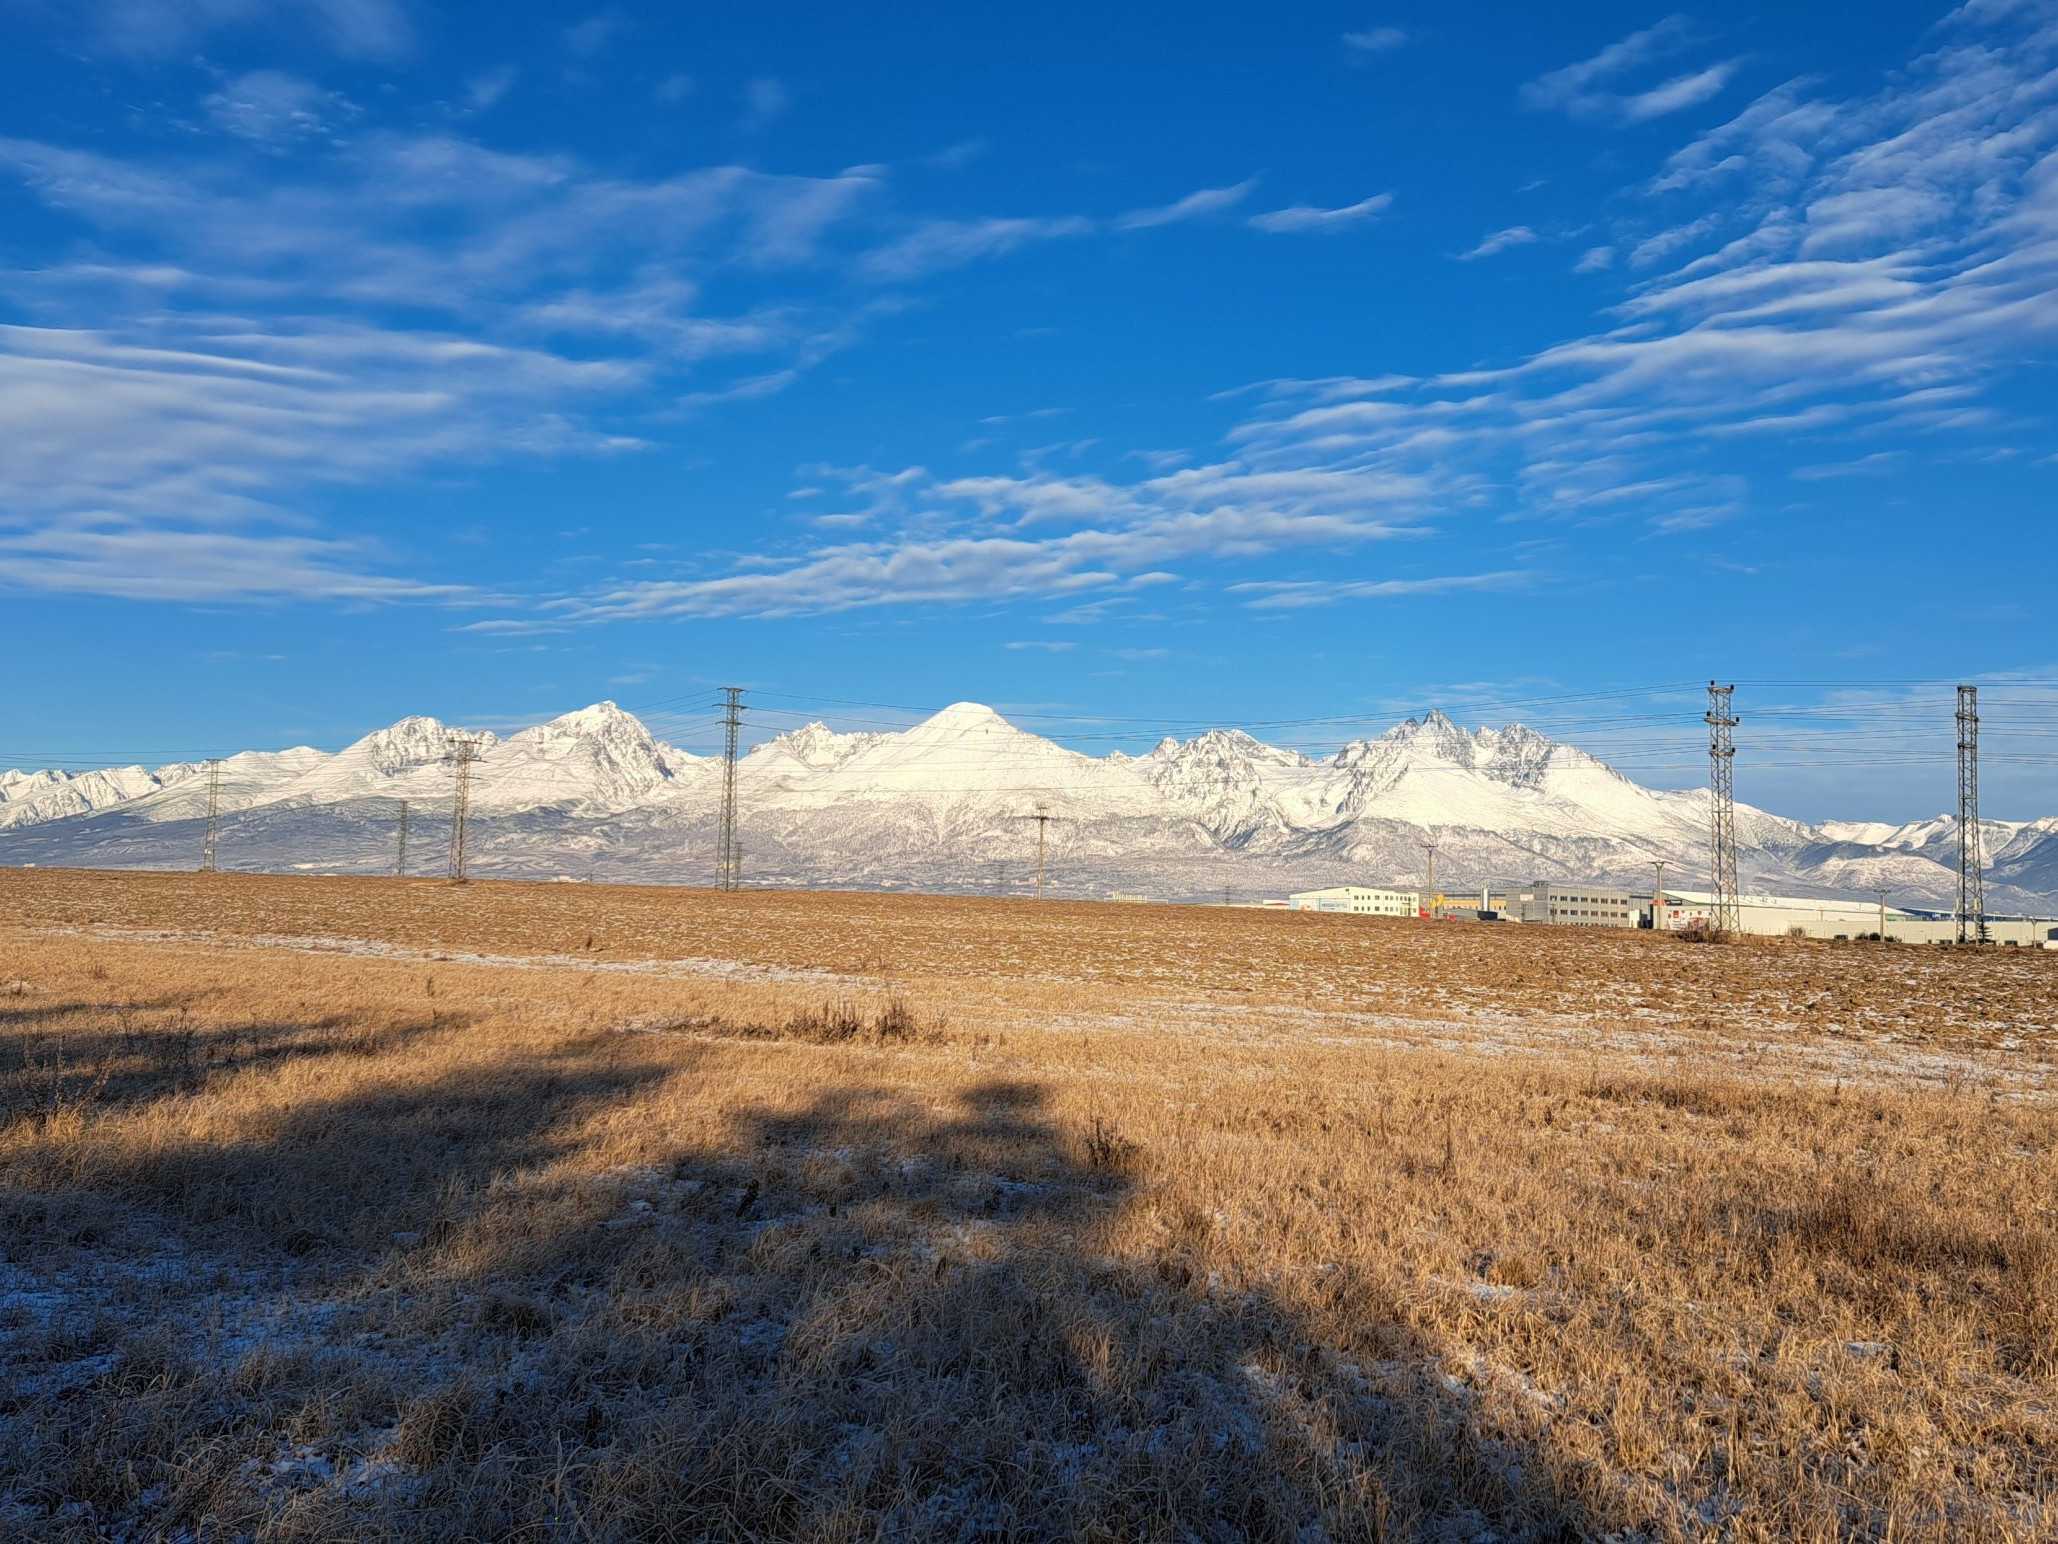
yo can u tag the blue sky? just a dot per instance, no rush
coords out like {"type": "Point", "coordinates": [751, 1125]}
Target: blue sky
{"type": "Point", "coordinates": [1137, 371]}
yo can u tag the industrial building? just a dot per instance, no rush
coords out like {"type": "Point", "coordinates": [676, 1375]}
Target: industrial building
{"type": "Point", "coordinates": [1578, 905]}
{"type": "Point", "coordinates": [1787, 916]}
{"type": "Point", "coordinates": [1359, 900]}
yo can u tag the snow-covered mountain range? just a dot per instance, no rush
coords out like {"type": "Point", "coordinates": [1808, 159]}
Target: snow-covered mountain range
{"type": "Point", "coordinates": [947, 803]}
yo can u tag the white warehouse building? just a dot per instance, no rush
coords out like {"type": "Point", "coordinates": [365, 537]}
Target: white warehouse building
{"type": "Point", "coordinates": [1781, 916]}
{"type": "Point", "coordinates": [1359, 900]}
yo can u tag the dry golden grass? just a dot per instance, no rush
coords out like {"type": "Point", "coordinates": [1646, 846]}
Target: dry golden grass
{"type": "Point", "coordinates": [852, 1216]}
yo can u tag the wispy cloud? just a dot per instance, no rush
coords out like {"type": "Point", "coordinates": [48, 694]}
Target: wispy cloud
{"type": "Point", "coordinates": [133, 561]}
{"type": "Point", "coordinates": [1657, 248]}
{"type": "Point", "coordinates": [1205, 201]}
{"type": "Point", "coordinates": [1500, 241]}
{"type": "Point", "coordinates": [1679, 93]}
{"type": "Point", "coordinates": [939, 244]}
{"type": "Point", "coordinates": [1589, 89]}
{"type": "Point", "coordinates": [593, 36]}
{"type": "Point", "coordinates": [484, 92]}
{"type": "Point", "coordinates": [1042, 645]}
{"type": "Point", "coordinates": [1287, 594]}
{"type": "Point", "coordinates": [765, 101]}
{"type": "Point", "coordinates": [269, 107]}
{"type": "Point", "coordinates": [957, 156]}
{"type": "Point", "coordinates": [1595, 260]}
{"type": "Point", "coordinates": [1044, 535]}
{"type": "Point", "coordinates": [248, 362]}
{"type": "Point", "coordinates": [1375, 40]}
{"type": "Point", "coordinates": [364, 29]}
{"type": "Point", "coordinates": [1306, 217]}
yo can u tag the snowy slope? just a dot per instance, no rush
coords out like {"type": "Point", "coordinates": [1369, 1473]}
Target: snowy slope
{"type": "Point", "coordinates": [950, 803]}
{"type": "Point", "coordinates": [172, 792]}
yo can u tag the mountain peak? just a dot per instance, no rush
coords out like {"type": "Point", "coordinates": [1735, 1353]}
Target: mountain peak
{"type": "Point", "coordinates": [603, 712]}
{"type": "Point", "coordinates": [409, 742]}
{"type": "Point", "coordinates": [816, 745]}
{"type": "Point", "coordinates": [964, 718]}
{"type": "Point", "coordinates": [597, 721]}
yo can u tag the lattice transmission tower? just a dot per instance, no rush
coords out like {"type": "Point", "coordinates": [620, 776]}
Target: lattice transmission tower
{"type": "Point", "coordinates": [464, 750]}
{"type": "Point", "coordinates": [1722, 808]}
{"type": "Point", "coordinates": [1972, 899]}
{"type": "Point", "coordinates": [728, 848]}
{"type": "Point", "coordinates": [211, 843]}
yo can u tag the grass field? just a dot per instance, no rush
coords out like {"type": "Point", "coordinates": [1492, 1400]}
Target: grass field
{"type": "Point", "coordinates": [357, 1208]}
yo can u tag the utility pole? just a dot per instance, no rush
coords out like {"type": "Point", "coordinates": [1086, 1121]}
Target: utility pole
{"type": "Point", "coordinates": [1722, 807]}
{"type": "Point", "coordinates": [1658, 898]}
{"type": "Point", "coordinates": [214, 815]}
{"type": "Point", "coordinates": [1972, 902]}
{"type": "Point", "coordinates": [1429, 901]}
{"type": "Point", "coordinates": [464, 750]}
{"type": "Point", "coordinates": [1882, 916]}
{"type": "Point", "coordinates": [1043, 818]}
{"type": "Point", "coordinates": [400, 862]}
{"type": "Point", "coordinates": [728, 850]}
{"type": "Point", "coordinates": [1042, 825]}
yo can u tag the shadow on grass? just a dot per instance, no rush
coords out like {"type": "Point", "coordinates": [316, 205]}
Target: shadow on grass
{"type": "Point", "coordinates": [870, 1317]}
{"type": "Point", "coordinates": [48, 1070]}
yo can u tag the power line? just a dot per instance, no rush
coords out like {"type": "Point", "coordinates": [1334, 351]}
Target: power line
{"type": "Point", "coordinates": [212, 842]}
{"type": "Point", "coordinates": [729, 855]}
{"type": "Point", "coordinates": [1972, 905]}
{"type": "Point", "coordinates": [1722, 808]}
{"type": "Point", "coordinates": [464, 750]}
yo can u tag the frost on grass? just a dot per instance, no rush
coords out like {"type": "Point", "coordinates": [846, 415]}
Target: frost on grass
{"type": "Point", "coordinates": [321, 1243]}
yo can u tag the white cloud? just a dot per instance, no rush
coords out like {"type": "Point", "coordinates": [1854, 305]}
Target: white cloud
{"type": "Point", "coordinates": [1107, 536]}
{"type": "Point", "coordinates": [484, 92]}
{"type": "Point", "coordinates": [1865, 217]}
{"type": "Point", "coordinates": [102, 555]}
{"type": "Point", "coordinates": [1305, 217]}
{"type": "Point", "coordinates": [1284, 594]}
{"type": "Point", "coordinates": [594, 35]}
{"type": "Point", "coordinates": [364, 29]}
{"type": "Point", "coordinates": [1205, 201]}
{"type": "Point", "coordinates": [750, 388]}
{"type": "Point", "coordinates": [1877, 464]}
{"type": "Point", "coordinates": [1500, 241]}
{"type": "Point", "coordinates": [1595, 260]}
{"type": "Point", "coordinates": [940, 244]}
{"type": "Point", "coordinates": [270, 107]}
{"type": "Point", "coordinates": [765, 101]}
{"type": "Point", "coordinates": [1656, 248]}
{"type": "Point", "coordinates": [1375, 40]}
{"type": "Point", "coordinates": [1043, 645]}
{"type": "Point", "coordinates": [246, 364]}
{"type": "Point", "coordinates": [957, 156]}
{"type": "Point", "coordinates": [1573, 88]}
{"type": "Point", "coordinates": [1682, 92]}
{"type": "Point", "coordinates": [1588, 90]}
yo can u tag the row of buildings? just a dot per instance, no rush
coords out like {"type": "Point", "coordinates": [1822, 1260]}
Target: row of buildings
{"type": "Point", "coordinates": [1593, 905]}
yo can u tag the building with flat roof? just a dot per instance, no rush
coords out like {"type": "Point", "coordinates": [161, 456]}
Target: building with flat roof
{"type": "Point", "coordinates": [1579, 905]}
{"type": "Point", "coordinates": [1359, 900]}
{"type": "Point", "coordinates": [1797, 916]}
